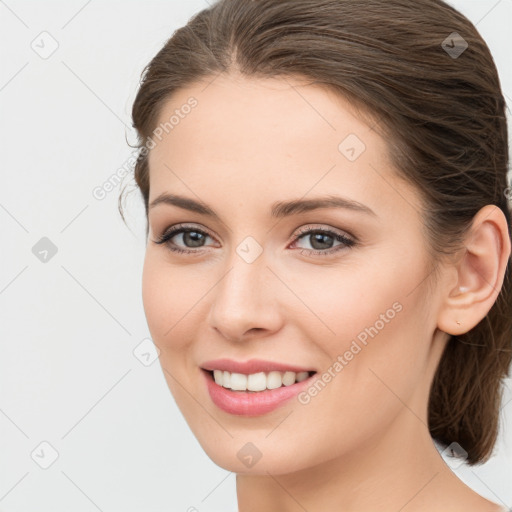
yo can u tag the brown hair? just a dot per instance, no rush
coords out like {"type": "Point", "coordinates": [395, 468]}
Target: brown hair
{"type": "Point", "coordinates": [443, 116]}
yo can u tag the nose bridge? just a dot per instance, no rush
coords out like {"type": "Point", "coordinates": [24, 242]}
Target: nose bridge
{"type": "Point", "coordinates": [242, 298]}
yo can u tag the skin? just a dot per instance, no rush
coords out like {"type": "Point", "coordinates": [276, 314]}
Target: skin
{"type": "Point", "coordinates": [362, 443]}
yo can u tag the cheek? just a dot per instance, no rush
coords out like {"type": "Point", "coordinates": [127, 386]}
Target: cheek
{"type": "Point", "coordinates": [168, 301]}
{"type": "Point", "coordinates": [383, 339]}
{"type": "Point", "coordinates": [372, 321]}
{"type": "Point", "coordinates": [154, 297]}
{"type": "Point", "coordinates": [170, 315]}
{"type": "Point", "coordinates": [375, 370]}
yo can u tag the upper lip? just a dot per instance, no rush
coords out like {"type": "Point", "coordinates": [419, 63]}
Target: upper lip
{"type": "Point", "coordinates": [252, 366]}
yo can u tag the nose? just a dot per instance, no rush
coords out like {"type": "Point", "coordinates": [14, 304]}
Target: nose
{"type": "Point", "coordinates": [245, 301]}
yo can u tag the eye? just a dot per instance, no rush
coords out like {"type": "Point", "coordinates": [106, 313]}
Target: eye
{"type": "Point", "coordinates": [188, 234]}
{"type": "Point", "coordinates": [322, 241]}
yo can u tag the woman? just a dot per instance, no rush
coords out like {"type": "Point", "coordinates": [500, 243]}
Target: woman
{"type": "Point", "coordinates": [327, 272]}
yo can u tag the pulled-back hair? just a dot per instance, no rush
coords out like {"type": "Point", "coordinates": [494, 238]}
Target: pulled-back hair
{"type": "Point", "coordinates": [442, 114]}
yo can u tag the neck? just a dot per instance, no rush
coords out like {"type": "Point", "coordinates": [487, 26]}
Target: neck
{"type": "Point", "coordinates": [397, 469]}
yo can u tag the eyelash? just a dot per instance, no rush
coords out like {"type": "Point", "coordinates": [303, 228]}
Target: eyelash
{"type": "Point", "coordinates": [303, 232]}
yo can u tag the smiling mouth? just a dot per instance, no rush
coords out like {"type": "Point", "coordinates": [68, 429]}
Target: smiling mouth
{"type": "Point", "coordinates": [257, 382]}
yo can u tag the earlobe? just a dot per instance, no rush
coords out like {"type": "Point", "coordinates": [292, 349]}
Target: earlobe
{"type": "Point", "coordinates": [480, 272]}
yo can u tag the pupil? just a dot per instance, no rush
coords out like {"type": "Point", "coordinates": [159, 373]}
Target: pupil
{"type": "Point", "coordinates": [318, 238]}
{"type": "Point", "coordinates": [194, 237]}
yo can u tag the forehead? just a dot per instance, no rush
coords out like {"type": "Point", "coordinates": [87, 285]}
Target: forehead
{"type": "Point", "coordinates": [250, 112]}
{"type": "Point", "coordinates": [253, 135]}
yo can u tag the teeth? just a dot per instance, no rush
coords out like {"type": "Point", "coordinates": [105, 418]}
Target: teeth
{"type": "Point", "coordinates": [289, 378]}
{"type": "Point", "coordinates": [301, 376]}
{"type": "Point", "coordinates": [257, 381]}
{"type": "Point", "coordinates": [238, 382]}
{"type": "Point", "coordinates": [274, 380]}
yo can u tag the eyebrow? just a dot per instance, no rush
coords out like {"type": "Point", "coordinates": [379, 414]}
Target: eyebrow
{"type": "Point", "coordinates": [278, 210]}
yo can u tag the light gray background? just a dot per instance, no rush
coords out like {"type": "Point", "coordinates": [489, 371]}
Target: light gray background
{"type": "Point", "coordinates": [69, 326]}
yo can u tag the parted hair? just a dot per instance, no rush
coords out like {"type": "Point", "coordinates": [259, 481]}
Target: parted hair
{"type": "Point", "coordinates": [439, 106]}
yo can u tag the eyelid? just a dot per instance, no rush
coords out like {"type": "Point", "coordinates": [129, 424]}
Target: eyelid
{"type": "Point", "coordinates": [347, 240]}
{"type": "Point", "coordinates": [298, 231]}
{"type": "Point", "coordinates": [176, 229]}
{"type": "Point", "coordinates": [321, 227]}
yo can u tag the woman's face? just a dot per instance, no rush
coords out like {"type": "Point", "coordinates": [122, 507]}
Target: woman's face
{"type": "Point", "coordinates": [261, 281]}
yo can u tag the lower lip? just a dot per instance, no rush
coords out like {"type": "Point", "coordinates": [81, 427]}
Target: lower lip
{"type": "Point", "coordinates": [246, 403]}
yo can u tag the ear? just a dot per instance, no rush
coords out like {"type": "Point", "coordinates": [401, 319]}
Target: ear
{"type": "Point", "coordinates": [478, 273]}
